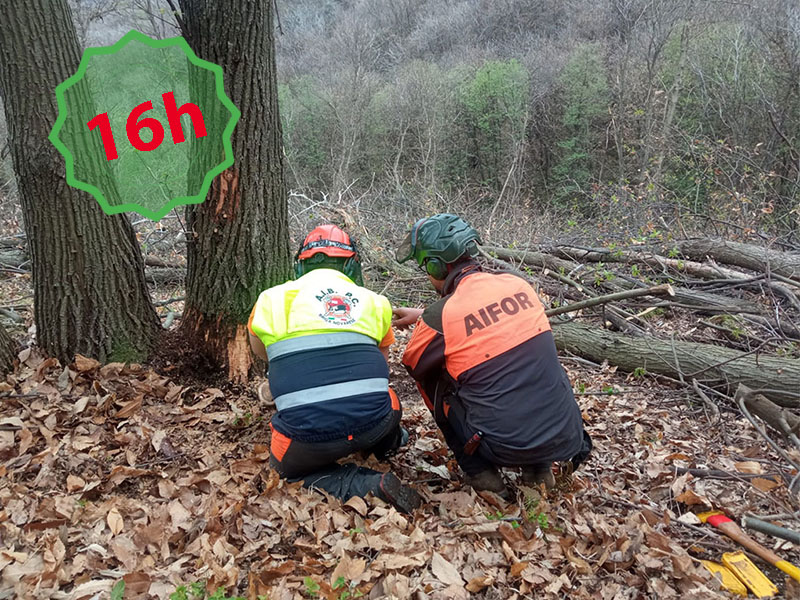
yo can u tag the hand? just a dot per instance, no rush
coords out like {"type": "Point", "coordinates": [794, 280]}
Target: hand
{"type": "Point", "coordinates": [404, 317]}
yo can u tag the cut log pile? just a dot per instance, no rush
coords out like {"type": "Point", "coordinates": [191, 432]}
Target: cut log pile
{"type": "Point", "coordinates": [727, 328]}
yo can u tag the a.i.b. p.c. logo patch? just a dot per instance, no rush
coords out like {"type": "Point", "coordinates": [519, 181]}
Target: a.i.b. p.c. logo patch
{"type": "Point", "coordinates": [339, 309]}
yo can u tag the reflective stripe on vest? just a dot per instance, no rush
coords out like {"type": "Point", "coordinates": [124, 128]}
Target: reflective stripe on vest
{"type": "Point", "coordinates": [332, 392]}
{"type": "Point", "coordinates": [315, 342]}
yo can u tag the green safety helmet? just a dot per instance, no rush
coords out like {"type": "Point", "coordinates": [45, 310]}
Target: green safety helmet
{"type": "Point", "coordinates": [434, 242]}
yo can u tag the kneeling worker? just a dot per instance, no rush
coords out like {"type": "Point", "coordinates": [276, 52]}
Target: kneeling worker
{"type": "Point", "coordinates": [326, 339]}
{"type": "Point", "coordinates": [485, 362]}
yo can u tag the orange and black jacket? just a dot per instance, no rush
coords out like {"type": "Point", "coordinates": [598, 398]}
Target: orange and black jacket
{"type": "Point", "coordinates": [487, 344]}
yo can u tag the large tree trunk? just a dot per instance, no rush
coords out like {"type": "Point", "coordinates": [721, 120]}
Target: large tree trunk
{"type": "Point", "coordinates": [8, 352]}
{"type": "Point", "coordinates": [90, 295]}
{"type": "Point", "coordinates": [241, 242]}
{"type": "Point", "coordinates": [747, 256]}
{"type": "Point", "coordinates": [714, 365]}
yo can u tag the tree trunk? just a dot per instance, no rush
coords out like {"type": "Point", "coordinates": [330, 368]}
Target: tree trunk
{"type": "Point", "coordinates": [90, 295]}
{"type": "Point", "coordinates": [241, 242]}
{"type": "Point", "coordinates": [747, 256]}
{"type": "Point", "coordinates": [713, 365]}
{"type": "Point", "coordinates": [8, 352]}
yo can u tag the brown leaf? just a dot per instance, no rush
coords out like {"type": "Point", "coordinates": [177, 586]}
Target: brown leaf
{"type": "Point", "coordinates": [114, 520]}
{"type": "Point", "coordinates": [75, 483]}
{"type": "Point", "coordinates": [357, 504]}
{"type": "Point", "coordinates": [518, 568]}
{"type": "Point", "coordinates": [25, 441]}
{"type": "Point", "coordinates": [130, 408]}
{"type": "Point", "coordinates": [765, 485]}
{"type": "Point", "coordinates": [689, 498]}
{"type": "Point", "coordinates": [476, 584]}
{"type": "Point", "coordinates": [120, 473]}
{"type": "Point", "coordinates": [349, 568]}
{"type": "Point", "coordinates": [583, 567]}
{"type": "Point", "coordinates": [136, 583]}
{"type": "Point", "coordinates": [749, 466]}
{"type": "Point", "coordinates": [84, 364]}
{"type": "Point", "coordinates": [445, 571]}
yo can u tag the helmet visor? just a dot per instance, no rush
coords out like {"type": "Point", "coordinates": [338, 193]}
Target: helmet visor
{"type": "Point", "coordinates": [406, 248]}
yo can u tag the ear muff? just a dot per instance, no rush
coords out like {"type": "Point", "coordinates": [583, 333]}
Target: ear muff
{"type": "Point", "coordinates": [436, 268]}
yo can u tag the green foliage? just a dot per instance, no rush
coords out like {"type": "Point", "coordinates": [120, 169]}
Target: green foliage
{"type": "Point", "coordinates": [639, 372]}
{"type": "Point", "coordinates": [312, 587]}
{"type": "Point", "coordinates": [197, 591]}
{"type": "Point", "coordinates": [118, 591]}
{"type": "Point", "coordinates": [346, 590]}
{"type": "Point", "coordinates": [586, 98]}
{"type": "Point", "coordinates": [533, 515]}
{"type": "Point", "coordinates": [495, 103]}
{"type": "Point", "coordinates": [307, 124]}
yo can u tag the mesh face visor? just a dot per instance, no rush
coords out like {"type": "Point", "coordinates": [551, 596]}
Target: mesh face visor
{"type": "Point", "coordinates": [406, 249]}
{"type": "Point", "coordinates": [409, 245]}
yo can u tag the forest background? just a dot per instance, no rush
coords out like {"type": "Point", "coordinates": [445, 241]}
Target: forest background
{"type": "Point", "coordinates": [550, 115]}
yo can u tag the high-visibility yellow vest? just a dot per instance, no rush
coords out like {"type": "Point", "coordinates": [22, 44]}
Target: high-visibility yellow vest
{"type": "Point", "coordinates": [321, 301]}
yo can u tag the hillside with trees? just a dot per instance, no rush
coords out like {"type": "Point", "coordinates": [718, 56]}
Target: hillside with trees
{"type": "Point", "coordinates": [636, 161]}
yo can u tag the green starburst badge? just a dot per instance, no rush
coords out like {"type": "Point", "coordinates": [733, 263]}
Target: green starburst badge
{"type": "Point", "coordinates": [144, 125]}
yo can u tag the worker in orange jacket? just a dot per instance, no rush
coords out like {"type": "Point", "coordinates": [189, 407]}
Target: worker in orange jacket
{"type": "Point", "coordinates": [486, 364]}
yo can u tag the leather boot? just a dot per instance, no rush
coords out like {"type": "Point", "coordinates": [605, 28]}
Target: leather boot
{"type": "Point", "coordinates": [534, 475]}
{"type": "Point", "coordinates": [488, 481]}
{"type": "Point", "coordinates": [402, 497]}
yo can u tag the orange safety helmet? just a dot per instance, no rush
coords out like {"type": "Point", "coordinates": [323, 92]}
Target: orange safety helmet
{"type": "Point", "coordinates": [328, 239]}
{"type": "Point", "coordinates": [332, 242]}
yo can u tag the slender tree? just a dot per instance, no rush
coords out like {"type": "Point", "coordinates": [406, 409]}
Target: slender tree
{"type": "Point", "coordinates": [239, 243]}
{"type": "Point", "coordinates": [90, 295]}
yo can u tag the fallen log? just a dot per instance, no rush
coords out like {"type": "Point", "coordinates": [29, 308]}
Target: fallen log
{"type": "Point", "coordinates": [702, 302]}
{"type": "Point", "coordinates": [681, 266]}
{"type": "Point", "coordinates": [713, 365]}
{"type": "Point", "coordinates": [785, 422]}
{"type": "Point", "coordinates": [164, 275]}
{"type": "Point", "coordinates": [615, 283]}
{"type": "Point", "coordinates": [747, 256]}
{"type": "Point", "coordinates": [659, 290]}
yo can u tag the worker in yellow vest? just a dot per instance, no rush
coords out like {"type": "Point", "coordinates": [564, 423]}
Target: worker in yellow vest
{"type": "Point", "coordinates": [326, 339]}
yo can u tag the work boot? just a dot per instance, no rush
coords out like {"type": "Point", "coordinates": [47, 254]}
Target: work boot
{"type": "Point", "coordinates": [265, 395]}
{"type": "Point", "coordinates": [402, 497]}
{"type": "Point", "coordinates": [534, 475]}
{"type": "Point", "coordinates": [404, 435]}
{"type": "Point", "coordinates": [488, 481]}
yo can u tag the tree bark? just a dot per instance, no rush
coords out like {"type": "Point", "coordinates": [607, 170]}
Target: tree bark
{"type": "Point", "coordinates": [714, 365]}
{"type": "Point", "coordinates": [747, 256]}
{"type": "Point", "coordinates": [241, 241]}
{"type": "Point", "coordinates": [8, 352]}
{"type": "Point", "coordinates": [783, 421]}
{"type": "Point", "coordinates": [90, 295]}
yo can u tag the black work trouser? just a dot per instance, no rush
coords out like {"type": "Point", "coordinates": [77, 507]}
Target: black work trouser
{"type": "Point", "coordinates": [315, 462]}
{"type": "Point", "coordinates": [451, 418]}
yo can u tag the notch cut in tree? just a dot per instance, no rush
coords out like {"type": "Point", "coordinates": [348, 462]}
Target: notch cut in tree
{"type": "Point", "coordinates": [90, 295]}
{"type": "Point", "coordinates": [239, 245]}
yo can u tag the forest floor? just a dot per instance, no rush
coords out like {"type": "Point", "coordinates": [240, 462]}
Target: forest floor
{"type": "Point", "coordinates": [151, 475]}
{"type": "Point", "coordinates": [121, 472]}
